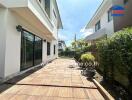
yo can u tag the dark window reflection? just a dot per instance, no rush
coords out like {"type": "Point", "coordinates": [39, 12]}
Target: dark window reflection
{"type": "Point", "coordinates": [47, 7]}
{"type": "Point", "coordinates": [31, 50]}
{"type": "Point", "coordinates": [38, 50]}
{"type": "Point", "coordinates": [54, 49]}
{"type": "Point", "coordinates": [27, 50]}
{"type": "Point", "coordinates": [48, 48]}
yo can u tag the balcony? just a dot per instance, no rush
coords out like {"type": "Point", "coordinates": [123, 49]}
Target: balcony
{"type": "Point", "coordinates": [97, 35]}
{"type": "Point", "coordinates": [33, 13]}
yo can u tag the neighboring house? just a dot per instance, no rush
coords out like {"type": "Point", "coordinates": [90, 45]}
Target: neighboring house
{"type": "Point", "coordinates": [61, 45]}
{"type": "Point", "coordinates": [104, 24]}
{"type": "Point", "coordinates": [28, 34]}
{"type": "Point", "coordinates": [124, 21]}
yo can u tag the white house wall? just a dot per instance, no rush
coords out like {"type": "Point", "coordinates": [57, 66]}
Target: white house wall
{"type": "Point", "coordinates": [54, 20]}
{"type": "Point", "coordinates": [102, 15]}
{"type": "Point", "coordinates": [52, 56]}
{"type": "Point", "coordinates": [3, 13]}
{"type": "Point", "coordinates": [10, 44]}
{"type": "Point", "coordinates": [13, 45]}
{"type": "Point", "coordinates": [109, 26]}
{"type": "Point", "coordinates": [37, 9]}
{"type": "Point", "coordinates": [41, 14]}
{"type": "Point", "coordinates": [30, 14]}
{"type": "Point", "coordinates": [44, 54]}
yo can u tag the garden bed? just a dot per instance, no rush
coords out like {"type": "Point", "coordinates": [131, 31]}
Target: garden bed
{"type": "Point", "coordinates": [116, 91]}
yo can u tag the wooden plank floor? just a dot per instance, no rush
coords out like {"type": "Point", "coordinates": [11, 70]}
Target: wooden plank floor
{"type": "Point", "coordinates": [59, 80]}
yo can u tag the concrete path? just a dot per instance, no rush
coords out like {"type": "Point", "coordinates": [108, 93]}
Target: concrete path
{"type": "Point", "coordinates": [59, 80]}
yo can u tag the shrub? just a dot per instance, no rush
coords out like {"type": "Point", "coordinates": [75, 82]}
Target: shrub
{"type": "Point", "coordinates": [87, 57]}
{"type": "Point", "coordinates": [88, 64]}
{"type": "Point", "coordinates": [87, 61]}
{"type": "Point", "coordinates": [80, 51]}
{"type": "Point", "coordinates": [67, 53]}
{"type": "Point", "coordinates": [78, 56]}
{"type": "Point", "coordinates": [115, 57]}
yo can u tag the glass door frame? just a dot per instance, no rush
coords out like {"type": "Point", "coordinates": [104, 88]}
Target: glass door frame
{"type": "Point", "coordinates": [22, 32]}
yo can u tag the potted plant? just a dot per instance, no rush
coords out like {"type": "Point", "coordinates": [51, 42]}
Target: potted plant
{"type": "Point", "coordinates": [88, 61]}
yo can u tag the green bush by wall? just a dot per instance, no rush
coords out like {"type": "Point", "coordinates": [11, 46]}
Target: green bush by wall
{"type": "Point", "coordinates": [87, 57]}
{"type": "Point", "coordinates": [115, 57]}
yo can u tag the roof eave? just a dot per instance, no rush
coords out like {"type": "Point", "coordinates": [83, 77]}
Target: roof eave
{"type": "Point", "coordinates": [91, 20]}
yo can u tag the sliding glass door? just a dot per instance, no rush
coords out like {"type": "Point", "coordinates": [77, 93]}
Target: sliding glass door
{"type": "Point", "coordinates": [31, 50]}
{"type": "Point", "coordinates": [37, 50]}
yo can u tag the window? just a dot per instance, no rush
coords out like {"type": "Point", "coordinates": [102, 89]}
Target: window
{"type": "Point", "coordinates": [97, 26]}
{"type": "Point", "coordinates": [54, 13]}
{"type": "Point", "coordinates": [31, 45]}
{"type": "Point", "coordinates": [125, 1]}
{"type": "Point", "coordinates": [60, 45]}
{"type": "Point", "coordinates": [40, 1]}
{"type": "Point", "coordinates": [27, 50]}
{"type": "Point", "coordinates": [37, 50]}
{"type": "Point", "coordinates": [54, 49]}
{"type": "Point", "coordinates": [48, 48]}
{"type": "Point", "coordinates": [47, 7]}
{"type": "Point", "coordinates": [110, 17]}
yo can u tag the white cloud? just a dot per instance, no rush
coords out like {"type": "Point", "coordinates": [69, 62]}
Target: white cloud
{"type": "Point", "coordinates": [86, 32]}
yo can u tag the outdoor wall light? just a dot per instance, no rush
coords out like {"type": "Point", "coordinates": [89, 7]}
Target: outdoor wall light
{"type": "Point", "coordinates": [19, 28]}
{"type": "Point", "coordinates": [44, 40]}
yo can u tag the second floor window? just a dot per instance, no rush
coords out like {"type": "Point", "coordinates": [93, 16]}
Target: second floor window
{"type": "Point", "coordinates": [125, 1]}
{"type": "Point", "coordinates": [47, 7]}
{"type": "Point", "coordinates": [110, 17]}
{"type": "Point", "coordinates": [54, 13]}
{"type": "Point", "coordinates": [97, 26]}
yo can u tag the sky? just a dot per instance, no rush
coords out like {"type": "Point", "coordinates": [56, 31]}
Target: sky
{"type": "Point", "coordinates": [75, 14]}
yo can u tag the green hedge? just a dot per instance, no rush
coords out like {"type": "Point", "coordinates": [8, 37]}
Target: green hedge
{"type": "Point", "coordinates": [115, 57]}
{"type": "Point", "coordinates": [67, 54]}
{"type": "Point", "coordinates": [85, 49]}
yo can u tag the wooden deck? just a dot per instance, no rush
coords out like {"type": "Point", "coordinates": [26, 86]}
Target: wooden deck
{"type": "Point", "coordinates": [59, 80]}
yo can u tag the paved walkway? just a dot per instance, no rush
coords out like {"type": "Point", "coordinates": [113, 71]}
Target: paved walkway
{"type": "Point", "coordinates": [59, 80]}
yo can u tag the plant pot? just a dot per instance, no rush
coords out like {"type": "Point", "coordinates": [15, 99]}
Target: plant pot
{"type": "Point", "coordinates": [91, 73]}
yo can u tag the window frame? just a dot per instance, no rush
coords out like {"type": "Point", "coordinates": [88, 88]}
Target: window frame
{"type": "Point", "coordinates": [125, 1]}
{"type": "Point", "coordinates": [40, 1]}
{"type": "Point", "coordinates": [54, 49]}
{"type": "Point", "coordinates": [54, 13]}
{"type": "Point", "coordinates": [110, 17]}
{"type": "Point", "coordinates": [48, 48]}
{"type": "Point", "coordinates": [33, 49]}
{"type": "Point", "coordinates": [98, 26]}
{"type": "Point", "coordinates": [48, 8]}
